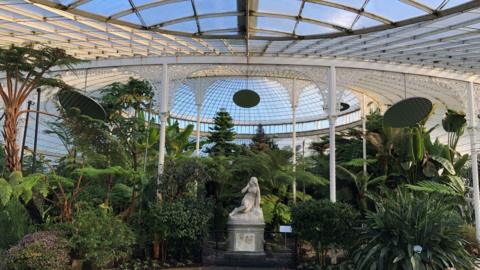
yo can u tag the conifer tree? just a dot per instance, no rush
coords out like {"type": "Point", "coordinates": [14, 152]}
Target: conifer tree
{"type": "Point", "coordinates": [222, 135]}
{"type": "Point", "coordinates": [261, 141]}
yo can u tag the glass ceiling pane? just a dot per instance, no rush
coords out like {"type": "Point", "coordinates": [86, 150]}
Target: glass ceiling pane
{"type": "Point", "coordinates": [433, 4]}
{"type": "Point", "coordinates": [453, 3]}
{"type": "Point", "coordinates": [310, 101]}
{"type": "Point", "coordinates": [224, 33]}
{"type": "Point", "coordinates": [187, 27]}
{"type": "Point", "coordinates": [167, 12]}
{"type": "Point", "coordinates": [208, 24]}
{"type": "Point", "coordinates": [352, 3]}
{"type": "Point", "coordinates": [274, 103]}
{"type": "Point", "coordinates": [393, 10]}
{"type": "Point", "coordinates": [131, 18]}
{"type": "Point", "coordinates": [276, 24]}
{"type": "Point", "coordinates": [105, 8]}
{"type": "Point", "coordinates": [213, 6]}
{"type": "Point", "coordinates": [328, 14]}
{"type": "Point", "coordinates": [65, 2]}
{"type": "Point", "coordinates": [304, 28]}
{"type": "Point", "coordinates": [143, 2]}
{"type": "Point", "coordinates": [260, 33]}
{"type": "Point", "coordinates": [364, 22]}
{"type": "Point", "coordinates": [289, 7]}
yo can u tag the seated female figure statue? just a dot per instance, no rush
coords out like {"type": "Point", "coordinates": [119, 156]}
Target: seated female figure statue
{"type": "Point", "coordinates": [250, 207]}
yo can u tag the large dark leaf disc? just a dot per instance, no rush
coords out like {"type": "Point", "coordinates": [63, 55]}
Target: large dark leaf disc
{"type": "Point", "coordinates": [246, 98]}
{"type": "Point", "coordinates": [344, 106]}
{"type": "Point", "coordinates": [408, 112]}
{"type": "Point", "coordinates": [87, 106]}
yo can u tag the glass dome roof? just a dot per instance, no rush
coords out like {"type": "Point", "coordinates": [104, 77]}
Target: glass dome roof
{"type": "Point", "coordinates": [262, 19]}
{"type": "Point", "coordinates": [274, 107]}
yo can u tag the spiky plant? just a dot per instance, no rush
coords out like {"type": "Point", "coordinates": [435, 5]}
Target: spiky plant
{"type": "Point", "coordinates": [413, 231]}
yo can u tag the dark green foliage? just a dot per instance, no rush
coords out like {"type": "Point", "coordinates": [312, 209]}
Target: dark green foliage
{"type": "Point", "coordinates": [182, 226]}
{"type": "Point", "coordinates": [44, 250]}
{"type": "Point", "coordinates": [274, 172]}
{"type": "Point", "coordinates": [135, 94]}
{"type": "Point", "coordinates": [412, 231]}
{"type": "Point", "coordinates": [182, 177]}
{"type": "Point", "coordinates": [94, 140]}
{"type": "Point", "coordinates": [127, 105]}
{"type": "Point", "coordinates": [98, 236]}
{"type": "Point", "coordinates": [40, 164]}
{"type": "Point", "coordinates": [14, 224]}
{"type": "Point", "coordinates": [222, 135]}
{"type": "Point", "coordinates": [325, 224]}
{"type": "Point", "coordinates": [177, 142]}
{"type": "Point", "coordinates": [262, 142]}
{"type": "Point", "coordinates": [2, 161]}
{"type": "Point", "coordinates": [454, 124]}
{"type": "Point", "coordinates": [179, 221]}
{"type": "Point", "coordinates": [35, 61]}
{"type": "Point", "coordinates": [469, 234]}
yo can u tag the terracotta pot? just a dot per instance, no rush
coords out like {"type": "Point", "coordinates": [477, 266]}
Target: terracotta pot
{"type": "Point", "coordinates": [77, 264]}
{"type": "Point", "coordinates": [156, 251]}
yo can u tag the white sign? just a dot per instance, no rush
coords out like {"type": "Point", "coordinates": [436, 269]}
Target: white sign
{"type": "Point", "coordinates": [285, 229]}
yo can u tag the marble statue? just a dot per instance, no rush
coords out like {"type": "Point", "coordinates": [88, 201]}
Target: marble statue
{"type": "Point", "coordinates": [246, 227]}
{"type": "Point", "coordinates": [250, 209]}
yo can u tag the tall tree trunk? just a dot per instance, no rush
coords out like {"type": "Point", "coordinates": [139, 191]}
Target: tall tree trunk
{"type": "Point", "coordinates": [12, 157]}
{"type": "Point", "coordinates": [10, 137]}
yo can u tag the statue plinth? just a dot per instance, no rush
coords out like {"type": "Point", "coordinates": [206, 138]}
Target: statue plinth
{"type": "Point", "coordinates": [246, 239]}
{"type": "Point", "coordinates": [246, 229]}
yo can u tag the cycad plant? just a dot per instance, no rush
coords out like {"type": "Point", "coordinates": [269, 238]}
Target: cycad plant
{"type": "Point", "coordinates": [412, 231]}
{"type": "Point", "coordinates": [364, 182]}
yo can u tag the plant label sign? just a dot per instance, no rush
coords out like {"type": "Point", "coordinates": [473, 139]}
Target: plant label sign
{"type": "Point", "coordinates": [285, 229]}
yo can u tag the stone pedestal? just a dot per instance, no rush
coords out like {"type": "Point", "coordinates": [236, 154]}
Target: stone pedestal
{"type": "Point", "coordinates": [246, 238]}
{"type": "Point", "coordinates": [245, 242]}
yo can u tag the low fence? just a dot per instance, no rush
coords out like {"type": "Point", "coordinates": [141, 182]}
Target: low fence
{"type": "Point", "coordinates": [281, 249]}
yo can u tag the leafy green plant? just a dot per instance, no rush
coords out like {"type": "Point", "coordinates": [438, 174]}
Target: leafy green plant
{"type": "Point", "coordinates": [470, 235]}
{"type": "Point", "coordinates": [261, 141]}
{"type": "Point", "coordinates": [127, 105]}
{"type": "Point", "coordinates": [275, 211]}
{"type": "Point", "coordinates": [96, 235]}
{"type": "Point", "coordinates": [412, 231]}
{"type": "Point", "coordinates": [181, 225]}
{"type": "Point", "coordinates": [2, 160]}
{"type": "Point", "coordinates": [177, 142]}
{"type": "Point", "coordinates": [14, 224]}
{"type": "Point", "coordinates": [44, 250]}
{"type": "Point", "coordinates": [364, 183]}
{"type": "Point", "coordinates": [20, 187]}
{"type": "Point", "coordinates": [325, 225]}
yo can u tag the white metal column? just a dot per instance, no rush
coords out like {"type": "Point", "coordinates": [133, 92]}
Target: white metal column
{"type": "Point", "coordinates": [163, 119]}
{"type": "Point", "coordinates": [197, 143]}
{"type": "Point", "coordinates": [294, 141]}
{"type": "Point", "coordinates": [332, 116]}
{"type": "Point", "coordinates": [472, 131]}
{"type": "Point", "coordinates": [364, 133]}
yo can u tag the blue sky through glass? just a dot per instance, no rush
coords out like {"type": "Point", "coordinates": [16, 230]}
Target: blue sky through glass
{"type": "Point", "coordinates": [274, 106]}
{"type": "Point", "coordinates": [158, 12]}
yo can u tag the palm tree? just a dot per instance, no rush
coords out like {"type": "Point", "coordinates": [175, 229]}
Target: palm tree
{"type": "Point", "coordinates": [25, 70]}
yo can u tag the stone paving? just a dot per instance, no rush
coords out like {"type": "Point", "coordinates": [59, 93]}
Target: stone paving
{"type": "Point", "coordinates": [229, 268]}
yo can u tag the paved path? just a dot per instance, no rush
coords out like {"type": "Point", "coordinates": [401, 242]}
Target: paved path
{"type": "Point", "coordinates": [228, 268]}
